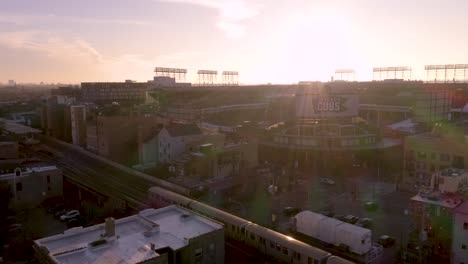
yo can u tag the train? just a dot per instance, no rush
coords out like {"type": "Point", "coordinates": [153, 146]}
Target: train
{"type": "Point", "coordinates": [333, 231]}
{"type": "Point", "coordinates": [269, 243]}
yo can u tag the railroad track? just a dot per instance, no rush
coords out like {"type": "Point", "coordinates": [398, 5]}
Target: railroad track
{"type": "Point", "coordinates": [100, 178]}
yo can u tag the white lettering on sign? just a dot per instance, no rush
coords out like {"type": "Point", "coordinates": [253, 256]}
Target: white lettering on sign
{"type": "Point", "coordinates": [328, 105]}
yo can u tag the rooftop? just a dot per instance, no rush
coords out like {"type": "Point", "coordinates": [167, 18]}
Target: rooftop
{"type": "Point", "coordinates": [463, 208]}
{"type": "Point", "coordinates": [441, 199]}
{"type": "Point", "coordinates": [179, 130]}
{"type": "Point", "coordinates": [6, 143]}
{"type": "Point", "coordinates": [18, 129]}
{"type": "Point", "coordinates": [24, 171]}
{"type": "Point", "coordinates": [171, 227]}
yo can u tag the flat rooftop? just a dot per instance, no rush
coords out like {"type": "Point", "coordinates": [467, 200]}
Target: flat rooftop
{"type": "Point", "coordinates": [17, 129]}
{"type": "Point", "coordinates": [24, 171]}
{"type": "Point", "coordinates": [450, 201]}
{"type": "Point", "coordinates": [171, 227]}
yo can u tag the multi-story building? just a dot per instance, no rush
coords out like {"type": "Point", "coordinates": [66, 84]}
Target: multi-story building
{"type": "Point", "coordinates": [68, 91]}
{"type": "Point", "coordinates": [460, 235]}
{"type": "Point", "coordinates": [78, 124]}
{"type": "Point", "coordinates": [434, 213]}
{"type": "Point", "coordinates": [56, 117]}
{"type": "Point", "coordinates": [449, 180]}
{"type": "Point", "coordinates": [127, 92]}
{"type": "Point", "coordinates": [116, 136]}
{"type": "Point", "coordinates": [429, 152]}
{"type": "Point", "coordinates": [432, 104]}
{"type": "Point", "coordinates": [31, 186]}
{"type": "Point", "coordinates": [174, 138]}
{"type": "Point", "coordinates": [166, 235]}
{"type": "Point", "coordinates": [438, 214]}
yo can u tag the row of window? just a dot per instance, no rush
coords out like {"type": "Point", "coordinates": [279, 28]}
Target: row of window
{"type": "Point", "coordinates": [314, 142]}
{"type": "Point", "coordinates": [283, 249]}
{"type": "Point", "coordinates": [442, 156]}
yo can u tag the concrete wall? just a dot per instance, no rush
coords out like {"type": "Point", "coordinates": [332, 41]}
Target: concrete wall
{"type": "Point", "coordinates": [29, 189]}
{"type": "Point", "coordinates": [78, 124]}
{"type": "Point", "coordinates": [460, 238]}
{"type": "Point", "coordinates": [210, 245]}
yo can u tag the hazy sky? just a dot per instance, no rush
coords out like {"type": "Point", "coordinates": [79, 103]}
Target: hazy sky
{"type": "Point", "coordinates": [274, 41]}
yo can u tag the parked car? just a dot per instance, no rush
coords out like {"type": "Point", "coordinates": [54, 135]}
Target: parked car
{"type": "Point", "coordinates": [340, 217]}
{"type": "Point", "coordinates": [371, 206]}
{"type": "Point", "coordinates": [291, 211]}
{"type": "Point", "coordinates": [59, 213]}
{"type": "Point", "coordinates": [413, 245]}
{"type": "Point", "coordinates": [386, 241]}
{"type": "Point", "coordinates": [14, 228]}
{"type": "Point", "coordinates": [70, 215]}
{"type": "Point", "coordinates": [327, 181]}
{"type": "Point", "coordinates": [74, 222]}
{"type": "Point", "coordinates": [364, 222]}
{"type": "Point", "coordinates": [350, 219]}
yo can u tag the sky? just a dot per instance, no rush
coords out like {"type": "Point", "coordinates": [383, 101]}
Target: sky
{"type": "Point", "coordinates": [266, 41]}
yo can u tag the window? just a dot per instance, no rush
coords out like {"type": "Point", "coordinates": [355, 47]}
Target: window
{"type": "Point", "coordinates": [463, 246]}
{"type": "Point", "coordinates": [421, 155]}
{"type": "Point", "coordinates": [316, 261]}
{"type": "Point", "coordinates": [309, 260]}
{"type": "Point", "coordinates": [278, 247]}
{"type": "Point", "coordinates": [444, 157]}
{"type": "Point", "coordinates": [252, 236]}
{"type": "Point", "coordinates": [285, 251]}
{"type": "Point", "coordinates": [272, 245]}
{"type": "Point", "coordinates": [48, 178]}
{"type": "Point", "coordinates": [465, 226]}
{"type": "Point", "coordinates": [363, 241]}
{"type": "Point", "coordinates": [19, 186]}
{"type": "Point", "coordinates": [198, 253]}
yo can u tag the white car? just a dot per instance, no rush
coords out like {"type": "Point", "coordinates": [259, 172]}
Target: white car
{"type": "Point", "coordinates": [327, 181]}
{"type": "Point", "coordinates": [70, 215]}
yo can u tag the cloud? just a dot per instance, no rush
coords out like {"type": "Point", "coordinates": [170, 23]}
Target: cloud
{"type": "Point", "coordinates": [78, 59]}
{"type": "Point", "coordinates": [232, 14]}
{"type": "Point", "coordinates": [21, 19]}
{"type": "Point", "coordinates": [49, 44]}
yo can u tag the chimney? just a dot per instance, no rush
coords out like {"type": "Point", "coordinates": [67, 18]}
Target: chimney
{"type": "Point", "coordinates": [110, 227]}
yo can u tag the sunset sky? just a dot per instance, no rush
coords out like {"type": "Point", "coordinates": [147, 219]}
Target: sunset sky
{"type": "Point", "coordinates": [265, 40]}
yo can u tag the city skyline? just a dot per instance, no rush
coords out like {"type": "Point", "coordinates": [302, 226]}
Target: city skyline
{"type": "Point", "coordinates": [274, 41]}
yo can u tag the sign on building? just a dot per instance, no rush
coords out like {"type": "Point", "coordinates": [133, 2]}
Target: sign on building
{"type": "Point", "coordinates": [314, 105]}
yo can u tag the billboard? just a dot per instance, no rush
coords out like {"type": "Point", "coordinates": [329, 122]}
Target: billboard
{"type": "Point", "coordinates": [316, 105]}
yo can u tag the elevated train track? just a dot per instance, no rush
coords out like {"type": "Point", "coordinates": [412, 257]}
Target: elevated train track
{"type": "Point", "coordinates": [109, 179]}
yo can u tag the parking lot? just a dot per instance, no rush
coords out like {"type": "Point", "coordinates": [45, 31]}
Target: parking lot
{"type": "Point", "coordinates": [341, 198]}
